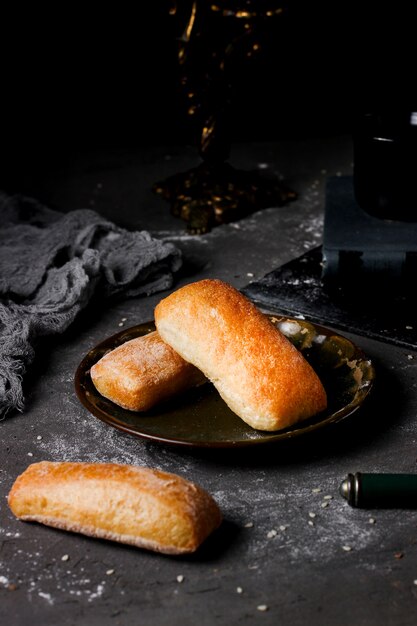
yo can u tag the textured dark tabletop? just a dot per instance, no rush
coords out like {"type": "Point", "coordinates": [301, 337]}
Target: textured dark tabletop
{"type": "Point", "coordinates": [290, 551]}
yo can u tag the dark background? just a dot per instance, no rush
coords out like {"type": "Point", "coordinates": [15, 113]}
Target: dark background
{"type": "Point", "coordinates": [75, 79]}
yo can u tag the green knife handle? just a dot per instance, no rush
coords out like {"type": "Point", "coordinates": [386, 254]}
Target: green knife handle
{"type": "Point", "coordinates": [380, 490]}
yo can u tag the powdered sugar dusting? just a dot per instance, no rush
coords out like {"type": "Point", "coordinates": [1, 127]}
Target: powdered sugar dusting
{"type": "Point", "coordinates": [48, 579]}
{"type": "Point", "coordinates": [284, 526]}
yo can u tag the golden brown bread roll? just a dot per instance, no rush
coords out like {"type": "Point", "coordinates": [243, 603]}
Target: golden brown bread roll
{"type": "Point", "coordinates": [138, 506]}
{"type": "Point", "coordinates": [143, 372]}
{"type": "Point", "coordinates": [262, 377]}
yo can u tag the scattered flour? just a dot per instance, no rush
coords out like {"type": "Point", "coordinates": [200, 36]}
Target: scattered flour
{"type": "Point", "coordinates": [46, 596]}
{"type": "Point", "coordinates": [97, 593]}
{"type": "Point", "coordinates": [335, 526]}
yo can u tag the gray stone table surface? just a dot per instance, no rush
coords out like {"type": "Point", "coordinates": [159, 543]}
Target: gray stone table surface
{"type": "Point", "coordinates": [279, 548]}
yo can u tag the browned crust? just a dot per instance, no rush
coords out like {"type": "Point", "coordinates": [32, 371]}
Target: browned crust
{"type": "Point", "coordinates": [139, 506]}
{"type": "Point", "coordinates": [143, 372]}
{"type": "Point", "coordinates": [258, 372]}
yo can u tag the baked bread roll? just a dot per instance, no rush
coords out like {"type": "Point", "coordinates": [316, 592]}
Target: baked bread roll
{"type": "Point", "coordinates": [262, 377]}
{"type": "Point", "coordinates": [142, 373]}
{"type": "Point", "coordinates": [138, 506]}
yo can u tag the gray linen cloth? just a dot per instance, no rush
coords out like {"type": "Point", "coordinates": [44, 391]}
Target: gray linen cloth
{"type": "Point", "coordinates": [52, 264]}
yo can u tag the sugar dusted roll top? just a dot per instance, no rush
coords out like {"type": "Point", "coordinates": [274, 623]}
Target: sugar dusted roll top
{"type": "Point", "coordinates": [134, 505]}
{"type": "Point", "coordinates": [261, 376]}
{"type": "Point", "coordinates": [143, 372]}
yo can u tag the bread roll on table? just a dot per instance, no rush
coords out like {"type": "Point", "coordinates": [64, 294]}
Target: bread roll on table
{"type": "Point", "coordinates": [138, 506]}
{"type": "Point", "coordinates": [262, 377]}
{"type": "Point", "coordinates": [142, 373]}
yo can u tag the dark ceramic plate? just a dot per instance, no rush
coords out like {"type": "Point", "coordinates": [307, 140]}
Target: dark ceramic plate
{"type": "Point", "coordinates": [200, 418]}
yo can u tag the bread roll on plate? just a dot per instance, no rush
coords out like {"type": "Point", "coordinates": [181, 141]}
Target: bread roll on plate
{"type": "Point", "coordinates": [134, 505]}
{"type": "Point", "coordinates": [261, 376]}
{"type": "Point", "coordinates": [143, 372]}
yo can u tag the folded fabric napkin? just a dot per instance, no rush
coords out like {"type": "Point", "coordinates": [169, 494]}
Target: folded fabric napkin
{"type": "Point", "coordinates": [52, 264]}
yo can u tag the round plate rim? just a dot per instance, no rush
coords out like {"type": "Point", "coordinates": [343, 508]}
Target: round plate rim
{"type": "Point", "coordinates": [269, 437]}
